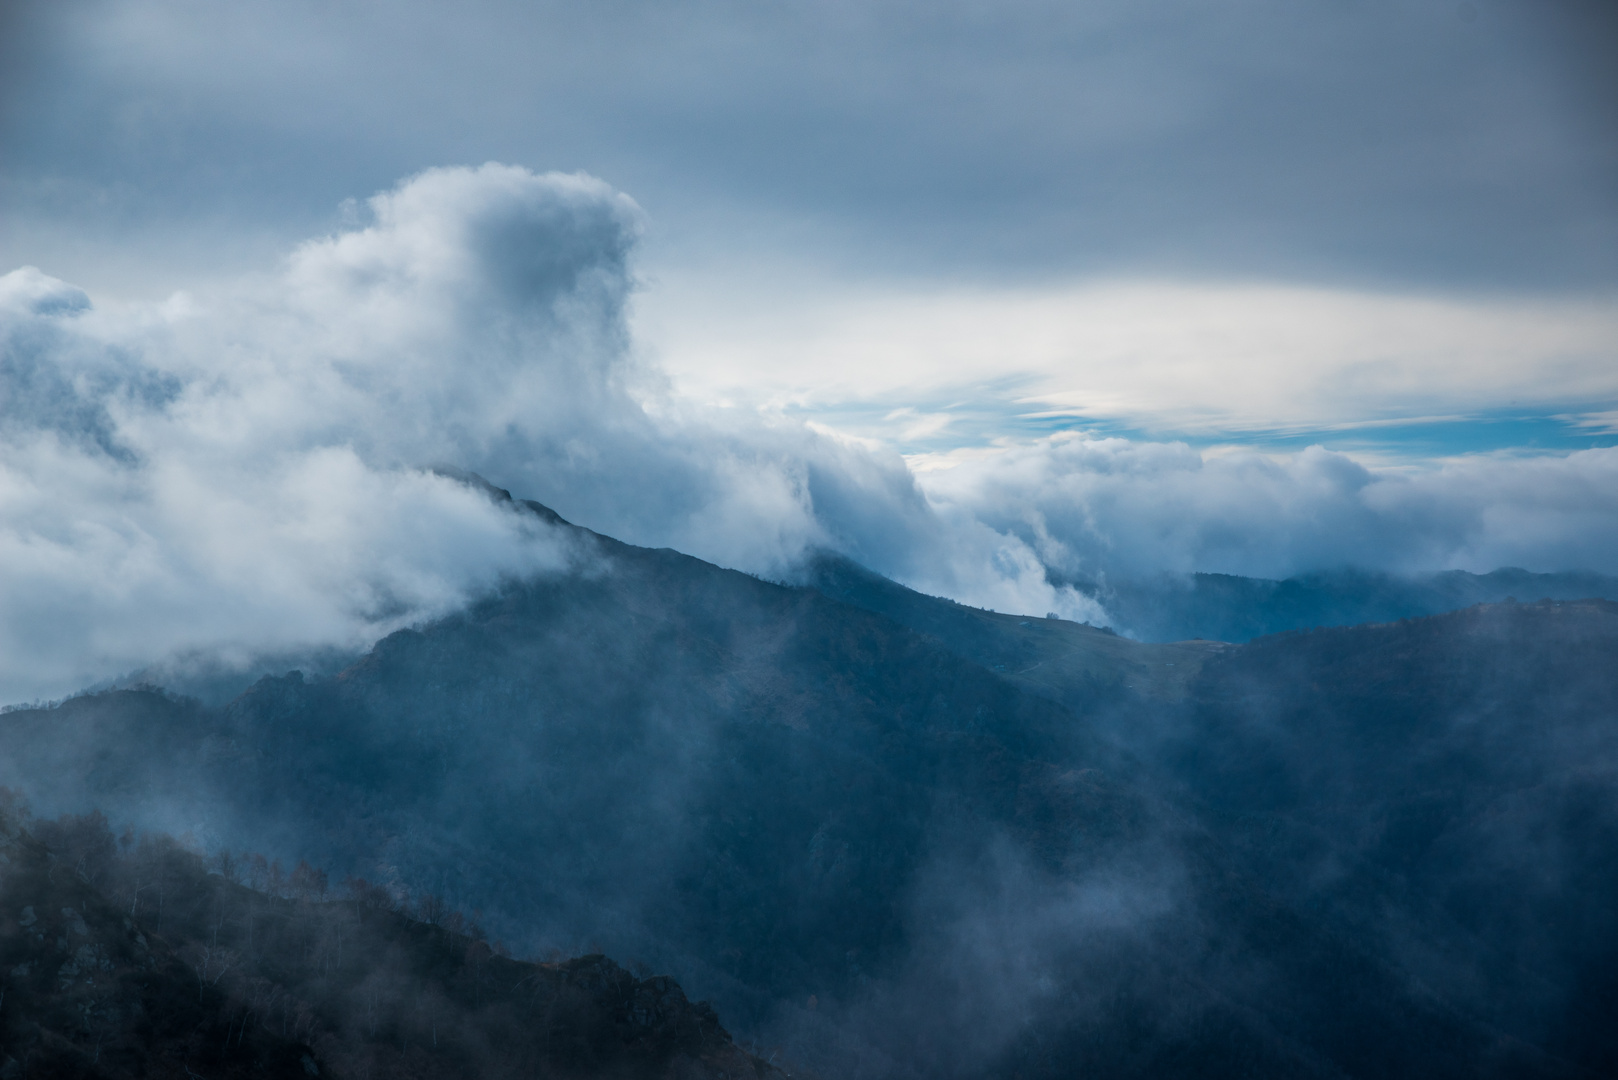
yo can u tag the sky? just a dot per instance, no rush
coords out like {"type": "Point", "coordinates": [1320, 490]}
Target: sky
{"type": "Point", "coordinates": [985, 295]}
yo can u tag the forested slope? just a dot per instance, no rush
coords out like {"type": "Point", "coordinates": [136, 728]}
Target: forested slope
{"type": "Point", "coordinates": [132, 959]}
{"type": "Point", "coordinates": [922, 840]}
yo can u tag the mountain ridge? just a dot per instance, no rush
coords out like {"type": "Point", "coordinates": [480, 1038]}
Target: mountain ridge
{"type": "Point", "coordinates": [923, 840]}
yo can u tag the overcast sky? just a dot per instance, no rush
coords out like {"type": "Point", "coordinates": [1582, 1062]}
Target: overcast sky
{"type": "Point", "coordinates": [1250, 286]}
{"type": "Point", "coordinates": [825, 180]}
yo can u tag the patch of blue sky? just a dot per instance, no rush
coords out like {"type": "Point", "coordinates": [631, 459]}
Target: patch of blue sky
{"type": "Point", "coordinates": [942, 425]}
{"type": "Point", "coordinates": [1495, 431]}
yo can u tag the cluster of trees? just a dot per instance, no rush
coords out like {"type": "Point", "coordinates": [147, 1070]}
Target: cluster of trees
{"type": "Point", "coordinates": [310, 883]}
{"type": "Point", "coordinates": [140, 955]}
{"type": "Point", "coordinates": [143, 870]}
{"type": "Point", "coordinates": [266, 875]}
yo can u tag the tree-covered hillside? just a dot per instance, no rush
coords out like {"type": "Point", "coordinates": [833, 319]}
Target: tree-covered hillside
{"type": "Point", "coordinates": [137, 957]}
{"type": "Point", "coordinates": [895, 837]}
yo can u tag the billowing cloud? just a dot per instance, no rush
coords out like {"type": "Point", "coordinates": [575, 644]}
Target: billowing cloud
{"type": "Point", "coordinates": [243, 471]}
{"type": "Point", "coordinates": [247, 469]}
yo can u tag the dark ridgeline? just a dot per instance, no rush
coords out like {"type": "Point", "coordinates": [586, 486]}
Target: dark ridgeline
{"type": "Point", "coordinates": [130, 958]}
{"type": "Point", "coordinates": [896, 836]}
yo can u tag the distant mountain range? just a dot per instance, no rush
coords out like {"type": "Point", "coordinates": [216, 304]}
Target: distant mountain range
{"type": "Point", "coordinates": [1224, 607]}
{"type": "Point", "coordinates": [894, 836]}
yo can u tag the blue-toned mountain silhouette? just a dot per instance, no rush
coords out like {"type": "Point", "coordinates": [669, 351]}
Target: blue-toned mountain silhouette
{"type": "Point", "coordinates": [891, 836]}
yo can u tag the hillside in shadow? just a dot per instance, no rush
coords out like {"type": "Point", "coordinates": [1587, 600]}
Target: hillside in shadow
{"type": "Point", "coordinates": [130, 958]}
{"type": "Point", "coordinates": [1227, 607]}
{"type": "Point", "coordinates": [1444, 790]}
{"type": "Point", "coordinates": [891, 836]}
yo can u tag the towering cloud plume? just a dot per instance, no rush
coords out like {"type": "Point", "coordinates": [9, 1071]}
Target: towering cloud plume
{"type": "Point", "coordinates": [248, 469]}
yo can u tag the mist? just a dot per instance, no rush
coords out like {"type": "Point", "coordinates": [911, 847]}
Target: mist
{"type": "Point", "coordinates": [1375, 850]}
{"type": "Point", "coordinates": [246, 468]}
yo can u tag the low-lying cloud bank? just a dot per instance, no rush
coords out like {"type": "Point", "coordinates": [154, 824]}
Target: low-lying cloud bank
{"type": "Point", "coordinates": [247, 469]}
{"type": "Point", "coordinates": [1091, 508]}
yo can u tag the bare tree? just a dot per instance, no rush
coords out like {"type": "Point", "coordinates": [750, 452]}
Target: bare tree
{"type": "Point", "coordinates": [258, 871]}
{"type": "Point", "coordinates": [307, 882]}
{"type": "Point", "coordinates": [211, 960]}
{"type": "Point", "coordinates": [228, 867]}
{"type": "Point", "coordinates": [432, 909]}
{"type": "Point", "coordinates": [276, 884]}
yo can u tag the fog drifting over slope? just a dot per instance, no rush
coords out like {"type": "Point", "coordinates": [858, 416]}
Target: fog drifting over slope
{"type": "Point", "coordinates": [246, 468]}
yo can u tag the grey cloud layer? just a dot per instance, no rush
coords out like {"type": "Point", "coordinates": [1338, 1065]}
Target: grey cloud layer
{"type": "Point", "coordinates": [244, 470]}
{"type": "Point", "coordinates": [1384, 140]}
